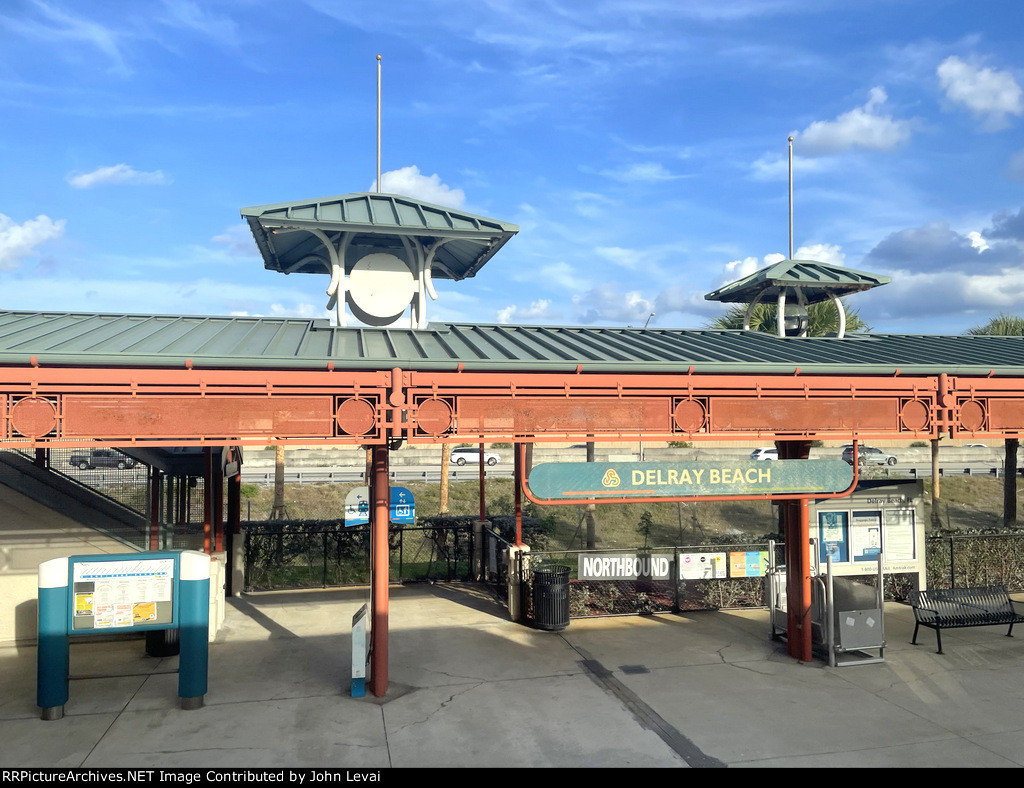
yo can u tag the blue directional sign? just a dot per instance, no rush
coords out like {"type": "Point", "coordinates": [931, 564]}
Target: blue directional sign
{"type": "Point", "coordinates": [357, 507]}
{"type": "Point", "coordinates": [403, 507]}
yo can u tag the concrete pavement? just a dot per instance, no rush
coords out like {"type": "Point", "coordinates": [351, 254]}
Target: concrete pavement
{"type": "Point", "coordinates": [468, 688]}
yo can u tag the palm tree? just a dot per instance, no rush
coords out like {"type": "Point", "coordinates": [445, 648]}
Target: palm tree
{"type": "Point", "coordinates": [1002, 325]}
{"type": "Point", "coordinates": [823, 318]}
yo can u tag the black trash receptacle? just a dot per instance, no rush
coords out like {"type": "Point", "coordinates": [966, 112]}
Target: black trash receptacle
{"type": "Point", "coordinates": [163, 643]}
{"type": "Point", "coordinates": [551, 597]}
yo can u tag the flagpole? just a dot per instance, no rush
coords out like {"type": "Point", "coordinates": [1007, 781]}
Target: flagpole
{"type": "Point", "coordinates": [790, 198]}
{"type": "Point", "coordinates": [378, 124]}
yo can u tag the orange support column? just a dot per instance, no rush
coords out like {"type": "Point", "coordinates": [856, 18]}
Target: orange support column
{"type": "Point", "coordinates": [796, 524]}
{"type": "Point", "coordinates": [379, 572]}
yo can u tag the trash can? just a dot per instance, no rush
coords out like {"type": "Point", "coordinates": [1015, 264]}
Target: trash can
{"type": "Point", "coordinates": [551, 597]}
{"type": "Point", "coordinates": [163, 642]}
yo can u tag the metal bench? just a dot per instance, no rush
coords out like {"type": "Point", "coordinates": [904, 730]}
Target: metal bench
{"type": "Point", "coordinates": [953, 608]}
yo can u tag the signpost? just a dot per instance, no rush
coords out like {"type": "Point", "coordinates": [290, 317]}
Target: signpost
{"type": "Point", "coordinates": [573, 482]}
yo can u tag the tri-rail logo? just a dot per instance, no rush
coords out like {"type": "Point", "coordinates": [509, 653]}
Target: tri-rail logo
{"type": "Point", "coordinates": [611, 479]}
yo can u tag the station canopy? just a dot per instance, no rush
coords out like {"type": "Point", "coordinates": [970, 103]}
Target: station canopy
{"type": "Point", "coordinates": [816, 281]}
{"type": "Point", "coordinates": [290, 234]}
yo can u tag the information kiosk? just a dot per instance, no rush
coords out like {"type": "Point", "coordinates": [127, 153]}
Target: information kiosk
{"type": "Point", "coordinates": [136, 592]}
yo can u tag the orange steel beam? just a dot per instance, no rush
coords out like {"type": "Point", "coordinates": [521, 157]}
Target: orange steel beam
{"type": "Point", "coordinates": [152, 407]}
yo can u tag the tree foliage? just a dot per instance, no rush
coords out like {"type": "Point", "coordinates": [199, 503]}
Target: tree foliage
{"type": "Point", "coordinates": [1002, 325]}
{"type": "Point", "coordinates": [822, 317]}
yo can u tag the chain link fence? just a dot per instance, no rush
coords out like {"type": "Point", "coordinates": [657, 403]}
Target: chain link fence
{"type": "Point", "coordinates": [976, 560]}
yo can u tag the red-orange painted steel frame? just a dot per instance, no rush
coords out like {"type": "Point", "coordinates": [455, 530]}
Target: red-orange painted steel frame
{"type": "Point", "coordinates": [42, 406]}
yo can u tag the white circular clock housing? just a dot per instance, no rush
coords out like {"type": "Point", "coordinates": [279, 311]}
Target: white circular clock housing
{"type": "Point", "coordinates": [380, 287]}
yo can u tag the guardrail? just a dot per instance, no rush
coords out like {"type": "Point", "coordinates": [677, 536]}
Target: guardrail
{"type": "Point", "coordinates": [350, 475]}
{"type": "Point", "coordinates": [320, 476]}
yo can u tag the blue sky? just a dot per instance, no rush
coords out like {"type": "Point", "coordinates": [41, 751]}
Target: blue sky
{"type": "Point", "coordinates": [641, 145]}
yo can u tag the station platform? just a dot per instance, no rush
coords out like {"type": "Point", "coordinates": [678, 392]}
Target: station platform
{"type": "Point", "coordinates": [470, 689]}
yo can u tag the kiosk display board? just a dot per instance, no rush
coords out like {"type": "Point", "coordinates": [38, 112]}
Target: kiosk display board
{"type": "Point", "coordinates": [83, 595]}
{"type": "Point", "coordinates": [122, 593]}
{"type": "Point", "coordinates": [880, 518]}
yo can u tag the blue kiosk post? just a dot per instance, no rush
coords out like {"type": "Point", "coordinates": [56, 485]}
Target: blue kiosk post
{"type": "Point", "coordinates": [135, 592]}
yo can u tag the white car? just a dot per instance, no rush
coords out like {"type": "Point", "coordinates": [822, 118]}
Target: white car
{"type": "Point", "coordinates": [464, 454]}
{"type": "Point", "coordinates": [765, 453]}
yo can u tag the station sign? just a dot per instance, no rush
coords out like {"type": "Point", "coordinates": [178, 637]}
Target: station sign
{"type": "Point", "coordinates": [567, 481]}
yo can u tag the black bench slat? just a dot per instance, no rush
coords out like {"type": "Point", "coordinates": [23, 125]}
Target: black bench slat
{"type": "Point", "coordinates": [952, 608]}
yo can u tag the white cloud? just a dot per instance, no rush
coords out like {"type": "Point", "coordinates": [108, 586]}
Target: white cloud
{"type": "Point", "coordinates": [829, 254]}
{"type": "Point", "coordinates": [18, 241]}
{"type": "Point", "coordinates": [68, 31]}
{"type": "Point", "coordinates": [990, 95]}
{"type": "Point", "coordinates": [649, 172]}
{"type": "Point", "coordinates": [118, 173]}
{"type": "Point", "coordinates": [410, 182]}
{"type": "Point", "coordinates": [863, 127]}
{"type": "Point", "coordinates": [605, 303]}
{"type": "Point", "coordinates": [301, 310]}
{"type": "Point", "coordinates": [557, 275]}
{"type": "Point", "coordinates": [737, 269]}
{"type": "Point", "coordinates": [237, 241]}
{"type": "Point", "coordinates": [977, 241]}
{"type": "Point", "coordinates": [626, 258]}
{"type": "Point", "coordinates": [538, 310]}
{"type": "Point", "coordinates": [775, 167]}
{"type": "Point", "coordinates": [945, 296]}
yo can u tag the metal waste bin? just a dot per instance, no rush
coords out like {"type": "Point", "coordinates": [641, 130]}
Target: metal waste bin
{"type": "Point", "coordinates": [551, 597]}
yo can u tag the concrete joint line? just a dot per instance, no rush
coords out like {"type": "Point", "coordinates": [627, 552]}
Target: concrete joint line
{"type": "Point", "coordinates": [647, 716]}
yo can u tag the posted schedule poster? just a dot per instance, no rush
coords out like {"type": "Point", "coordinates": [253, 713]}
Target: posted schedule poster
{"type": "Point", "coordinates": [122, 594]}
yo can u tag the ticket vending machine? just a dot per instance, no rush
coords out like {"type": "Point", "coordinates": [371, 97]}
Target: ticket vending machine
{"type": "Point", "coordinates": [116, 594]}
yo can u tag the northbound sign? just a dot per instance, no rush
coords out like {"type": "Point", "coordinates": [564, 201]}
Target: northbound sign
{"type": "Point", "coordinates": [567, 481]}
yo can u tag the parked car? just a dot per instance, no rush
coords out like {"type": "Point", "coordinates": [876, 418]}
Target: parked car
{"type": "Point", "coordinates": [975, 446]}
{"type": "Point", "coordinates": [101, 458]}
{"type": "Point", "coordinates": [464, 454]}
{"type": "Point", "coordinates": [765, 453]}
{"type": "Point", "coordinates": [869, 455]}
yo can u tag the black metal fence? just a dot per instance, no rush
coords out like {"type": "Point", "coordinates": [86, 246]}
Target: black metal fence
{"type": "Point", "coordinates": [976, 560]}
{"type": "Point", "coordinates": [322, 555]}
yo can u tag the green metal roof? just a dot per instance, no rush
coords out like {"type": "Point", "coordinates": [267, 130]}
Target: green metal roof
{"type": "Point", "coordinates": [121, 340]}
{"type": "Point", "coordinates": [817, 280]}
{"type": "Point", "coordinates": [376, 222]}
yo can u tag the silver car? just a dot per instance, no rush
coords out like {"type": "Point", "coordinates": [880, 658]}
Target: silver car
{"type": "Point", "coordinates": [869, 455]}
